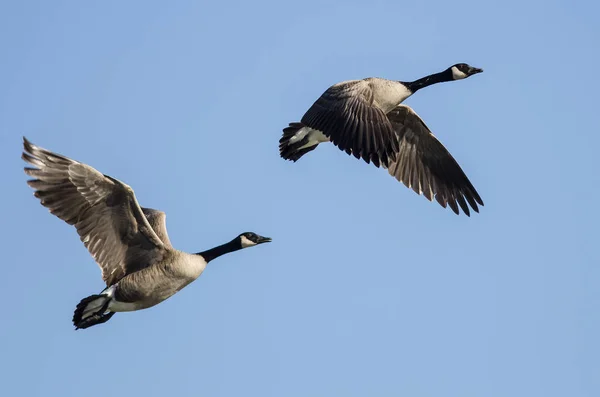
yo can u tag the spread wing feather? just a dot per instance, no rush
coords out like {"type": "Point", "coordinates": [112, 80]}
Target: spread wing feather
{"type": "Point", "coordinates": [110, 222]}
{"type": "Point", "coordinates": [426, 166]}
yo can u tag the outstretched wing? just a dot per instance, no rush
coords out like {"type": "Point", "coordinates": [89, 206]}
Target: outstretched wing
{"type": "Point", "coordinates": [105, 212]}
{"type": "Point", "coordinates": [346, 114]}
{"type": "Point", "coordinates": [426, 166]}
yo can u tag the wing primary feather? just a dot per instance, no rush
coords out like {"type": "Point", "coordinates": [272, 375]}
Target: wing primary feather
{"type": "Point", "coordinates": [463, 204]}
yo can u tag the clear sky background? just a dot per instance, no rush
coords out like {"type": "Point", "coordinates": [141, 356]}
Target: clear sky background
{"type": "Point", "coordinates": [367, 288]}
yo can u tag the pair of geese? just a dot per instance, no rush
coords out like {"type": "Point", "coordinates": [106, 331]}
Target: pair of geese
{"type": "Point", "coordinates": [130, 243]}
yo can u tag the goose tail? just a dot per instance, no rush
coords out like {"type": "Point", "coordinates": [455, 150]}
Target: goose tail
{"type": "Point", "coordinates": [92, 311]}
{"type": "Point", "coordinates": [295, 142]}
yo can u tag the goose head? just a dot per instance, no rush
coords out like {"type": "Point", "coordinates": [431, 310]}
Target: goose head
{"type": "Point", "coordinates": [462, 71]}
{"type": "Point", "coordinates": [250, 239]}
{"type": "Point", "coordinates": [458, 71]}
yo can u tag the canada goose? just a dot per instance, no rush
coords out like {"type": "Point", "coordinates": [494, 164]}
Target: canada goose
{"type": "Point", "coordinates": [365, 118]}
{"type": "Point", "coordinates": [129, 242]}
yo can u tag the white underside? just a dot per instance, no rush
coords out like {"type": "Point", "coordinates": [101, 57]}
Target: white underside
{"type": "Point", "coordinates": [157, 288]}
{"type": "Point", "coordinates": [116, 306]}
{"type": "Point", "coordinates": [113, 306]}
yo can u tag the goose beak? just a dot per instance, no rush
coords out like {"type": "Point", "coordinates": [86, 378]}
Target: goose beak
{"type": "Point", "coordinates": [475, 71]}
{"type": "Point", "coordinates": [262, 239]}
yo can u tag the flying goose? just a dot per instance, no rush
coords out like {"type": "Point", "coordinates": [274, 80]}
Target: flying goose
{"type": "Point", "coordinates": [130, 243]}
{"type": "Point", "coordinates": [365, 118]}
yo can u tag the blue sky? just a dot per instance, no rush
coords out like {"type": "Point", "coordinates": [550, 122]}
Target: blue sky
{"type": "Point", "coordinates": [367, 288]}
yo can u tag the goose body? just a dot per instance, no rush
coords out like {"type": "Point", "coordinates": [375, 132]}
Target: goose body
{"type": "Point", "coordinates": [152, 285]}
{"type": "Point", "coordinates": [130, 243]}
{"type": "Point", "coordinates": [366, 118]}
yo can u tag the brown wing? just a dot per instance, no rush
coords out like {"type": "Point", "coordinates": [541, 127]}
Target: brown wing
{"type": "Point", "coordinates": [157, 219]}
{"type": "Point", "coordinates": [345, 113]}
{"type": "Point", "coordinates": [105, 212]}
{"type": "Point", "coordinates": [425, 165]}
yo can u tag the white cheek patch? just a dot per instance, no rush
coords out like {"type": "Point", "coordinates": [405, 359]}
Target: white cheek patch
{"type": "Point", "coordinates": [246, 242]}
{"type": "Point", "coordinates": [457, 74]}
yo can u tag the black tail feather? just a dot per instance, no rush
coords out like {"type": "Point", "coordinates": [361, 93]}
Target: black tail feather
{"type": "Point", "coordinates": [292, 151]}
{"type": "Point", "coordinates": [98, 317]}
{"type": "Point", "coordinates": [299, 153]}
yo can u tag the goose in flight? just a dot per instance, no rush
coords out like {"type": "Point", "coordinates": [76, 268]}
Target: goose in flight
{"type": "Point", "coordinates": [365, 118]}
{"type": "Point", "coordinates": [130, 243]}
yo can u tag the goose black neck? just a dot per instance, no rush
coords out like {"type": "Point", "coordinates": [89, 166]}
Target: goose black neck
{"type": "Point", "coordinates": [216, 252]}
{"type": "Point", "coordinates": [440, 77]}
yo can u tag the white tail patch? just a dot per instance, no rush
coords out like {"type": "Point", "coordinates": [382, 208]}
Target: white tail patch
{"type": "Point", "coordinates": [92, 307]}
{"type": "Point", "coordinates": [299, 135]}
{"type": "Point", "coordinates": [314, 137]}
